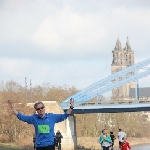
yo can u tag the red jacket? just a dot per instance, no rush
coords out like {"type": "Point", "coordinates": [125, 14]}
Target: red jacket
{"type": "Point", "coordinates": [125, 146]}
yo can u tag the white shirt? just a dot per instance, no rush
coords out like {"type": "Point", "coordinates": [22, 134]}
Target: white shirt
{"type": "Point", "coordinates": [121, 134]}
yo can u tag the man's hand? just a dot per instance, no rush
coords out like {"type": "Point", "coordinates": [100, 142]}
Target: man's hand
{"type": "Point", "coordinates": [10, 104]}
{"type": "Point", "coordinates": [12, 108]}
{"type": "Point", "coordinates": [71, 106]}
{"type": "Point", "coordinates": [72, 102]}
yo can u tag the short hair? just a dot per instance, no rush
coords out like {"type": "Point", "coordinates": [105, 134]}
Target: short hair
{"type": "Point", "coordinates": [103, 130]}
{"type": "Point", "coordinates": [37, 103]}
{"type": "Point", "coordinates": [111, 132]}
{"type": "Point", "coordinates": [120, 129]}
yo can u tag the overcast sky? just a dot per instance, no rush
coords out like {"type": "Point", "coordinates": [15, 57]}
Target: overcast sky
{"type": "Point", "coordinates": [69, 41]}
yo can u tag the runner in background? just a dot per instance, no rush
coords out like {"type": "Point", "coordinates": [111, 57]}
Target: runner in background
{"type": "Point", "coordinates": [58, 138]}
{"type": "Point", "coordinates": [121, 135]}
{"type": "Point", "coordinates": [34, 139]}
{"type": "Point", "coordinates": [125, 145]}
{"type": "Point", "coordinates": [112, 139]}
{"type": "Point", "coordinates": [105, 140]}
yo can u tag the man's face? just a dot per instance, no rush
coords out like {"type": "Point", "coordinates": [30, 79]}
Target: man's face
{"type": "Point", "coordinates": [40, 109]}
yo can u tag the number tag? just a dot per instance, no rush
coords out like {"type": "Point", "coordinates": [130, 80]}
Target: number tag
{"type": "Point", "coordinates": [43, 129]}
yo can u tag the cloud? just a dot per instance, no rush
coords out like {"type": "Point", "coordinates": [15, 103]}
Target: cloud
{"type": "Point", "coordinates": [69, 32]}
{"type": "Point", "coordinates": [54, 73]}
{"type": "Point", "coordinates": [69, 42]}
{"type": "Point", "coordinates": [14, 67]}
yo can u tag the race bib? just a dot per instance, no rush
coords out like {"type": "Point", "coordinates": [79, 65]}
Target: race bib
{"type": "Point", "coordinates": [43, 129]}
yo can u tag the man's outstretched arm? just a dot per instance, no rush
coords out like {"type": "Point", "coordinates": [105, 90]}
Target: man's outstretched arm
{"type": "Point", "coordinates": [12, 107]}
{"type": "Point", "coordinates": [25, 118]}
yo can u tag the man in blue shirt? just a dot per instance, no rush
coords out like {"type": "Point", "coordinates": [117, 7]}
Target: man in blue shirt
{"type": "Point", "coordinates": [43, 124]}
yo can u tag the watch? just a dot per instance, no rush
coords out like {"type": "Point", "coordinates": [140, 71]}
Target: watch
{"type": "Point", "coordinates": [71, 107]}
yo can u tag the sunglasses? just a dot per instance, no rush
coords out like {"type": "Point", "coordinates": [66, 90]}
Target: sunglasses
{"type": "Point", "coordinates": [39, 108]}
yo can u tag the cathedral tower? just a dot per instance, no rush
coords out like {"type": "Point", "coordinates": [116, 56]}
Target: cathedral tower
{"type": "Point", "coordinates": [122, 58]}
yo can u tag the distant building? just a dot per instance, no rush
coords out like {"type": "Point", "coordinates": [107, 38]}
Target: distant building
{"type": "Point", "coordinates": [142, 93]}
{"type": "Point", "coordinates": [122, 58]}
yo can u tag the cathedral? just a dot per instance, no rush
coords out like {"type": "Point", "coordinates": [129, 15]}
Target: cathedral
{"type": "Point", "coordinates": [122, 58]}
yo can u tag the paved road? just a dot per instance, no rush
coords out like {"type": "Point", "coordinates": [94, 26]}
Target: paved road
{"type": "Point", "coordinates": [141, 147]}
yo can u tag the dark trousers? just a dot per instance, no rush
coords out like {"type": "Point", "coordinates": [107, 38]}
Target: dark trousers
{"type": "Point", "coordinates": [112, 144]}
{"type": "Point", "coordinates": [120, 143]}
{"type": "Point", "coordinates": [105, 148]}
{"type": "Point", "coordinates": [50, 147]}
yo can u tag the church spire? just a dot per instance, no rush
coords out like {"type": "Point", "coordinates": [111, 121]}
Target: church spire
{"type": "Point", "coordinates": [127, 47]}
{"type": "Point", "coordinates": [118, 46]}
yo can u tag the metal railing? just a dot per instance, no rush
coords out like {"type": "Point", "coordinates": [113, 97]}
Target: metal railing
{"type": "Point", "coordinates": [103, 103]}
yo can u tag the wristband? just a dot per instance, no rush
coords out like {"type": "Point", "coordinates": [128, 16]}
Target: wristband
{"type": "Point", "coordinates": [71, 107]}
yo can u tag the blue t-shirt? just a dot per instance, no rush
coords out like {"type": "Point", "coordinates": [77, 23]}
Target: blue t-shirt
{"type": "Point", "coordinates": [44, 127]}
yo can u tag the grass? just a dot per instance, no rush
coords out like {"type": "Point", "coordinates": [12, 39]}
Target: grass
{"type": "Point", "coordinates": [7, 147]}
{"type": "Point", "coordinates": [11, 147]}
